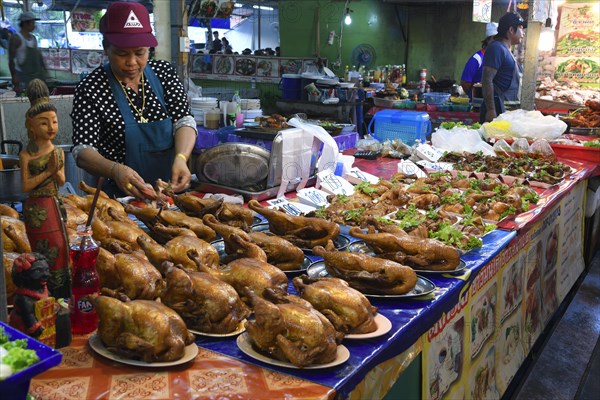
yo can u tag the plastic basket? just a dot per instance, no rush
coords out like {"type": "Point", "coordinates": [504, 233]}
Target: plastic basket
{"type": "Point", "coordinates": [407, 126]}
{"type": "Point", "coordinates": [16, 386]}
{"type": "Point", "coordinates": [436, 97]}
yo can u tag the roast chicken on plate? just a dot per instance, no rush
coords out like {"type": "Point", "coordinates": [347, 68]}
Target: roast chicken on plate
{"type": "Point", "coordinates": [141, 329]}
{"type": "Point", "coordinates": [370, 275]}
{"type": "Point", "coordinates": [206, 303]}
{"type": "Point", "coordinates": [129, 274]}
{"type": "Point", "coordinates": [304, 232]}
{"type": "Point", "coordinates": [428, 254]}
{"type": "Point", "coordinates": [247, 272]}
{"type": "Point", "coordinates": [290, 329]}
{"type": "Point", "coordinates": [280, 252]}
{"type": "Point", "coordinates": [347, 309]}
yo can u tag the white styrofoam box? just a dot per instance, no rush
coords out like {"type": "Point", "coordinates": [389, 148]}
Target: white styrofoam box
{"type": "Point", "coordinates": [356, 176]}
{"type": "Point", "coordinates": [427, 152]}
{"type": "Point", "coordinates": [333, 184]}
{"type": "Point", "coordinates": [313, 197]}
{"type": "Point", "coordinates": [292, 208]}
{"type": "Point", "coordinates": [408, 167]}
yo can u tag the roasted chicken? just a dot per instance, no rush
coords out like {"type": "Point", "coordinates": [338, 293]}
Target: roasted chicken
{"type": "Point", "coordinates": [419, 253]}
{"type": "Point", "coordinates": [141, 329]}
{"type": "Point", "coordinates": [206, 303]}
{"type": "Point", "coordinates": [129, 274]}
{"type": "Point", "coordinates": [347, 309]}
{"type": "Point", "coordinates": [247, 272]}
{"type": "Point", "coordinates": [8, 211]}
{"type": "Point", "coordinates": [150, 216]}
{"type": "Point", "coordinates": [304, 232]}
{"type": "Point", "coordinates": [280, 252]}
{"type": "Point", "coordinates": [14, 236]}
{"type": "Point", "coordinates": [176, 251]}
{"type": "Point", "coordinates": [368, 274]}
{"type": "Point", "coordinates": [227, 213]}
{"type": "Point", "coordinates": [288, 328]}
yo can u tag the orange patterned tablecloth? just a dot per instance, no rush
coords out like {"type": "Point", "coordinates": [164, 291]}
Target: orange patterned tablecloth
{"type": "Point", "coordinates": [85, 375]}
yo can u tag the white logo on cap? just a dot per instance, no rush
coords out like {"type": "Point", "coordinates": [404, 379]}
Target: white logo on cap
{"type": "Point", "coordinates": [132, 21]}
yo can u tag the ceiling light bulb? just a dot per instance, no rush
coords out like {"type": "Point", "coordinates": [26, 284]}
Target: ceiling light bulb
{"type": "Point", "coordinates": [546, 41]}
{"type": "Point", "coordinates": [348, 19]}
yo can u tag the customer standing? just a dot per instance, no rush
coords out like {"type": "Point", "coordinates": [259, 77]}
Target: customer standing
{"type": "Point", "coordinates": [501, 77]}
{"type": "Point", "coordinates": [25, 60]}
{"type": "Point", "coordinates": [132, 121]}
{"type": "Point", "coordinates": [217, 45]}
{"type": "Point", "coordinates": [472, 71]}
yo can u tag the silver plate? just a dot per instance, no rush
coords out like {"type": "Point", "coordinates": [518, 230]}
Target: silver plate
{"type": "Point", "coordinates": [423, 287]}
{"type": "Point", "coordinates": [234, 164]}
{"type": "Point", "coordinates": [340, 243]}
{"type": "Point", "coordinates": [363, 248]}
{"type": "Point", "coordinates": [220, 246]}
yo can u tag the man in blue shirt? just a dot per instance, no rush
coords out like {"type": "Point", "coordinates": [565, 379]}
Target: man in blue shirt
{"type": "Point", "coordinates": [501, 75]}
{"type": "Point", "coordinates": [472, 71]}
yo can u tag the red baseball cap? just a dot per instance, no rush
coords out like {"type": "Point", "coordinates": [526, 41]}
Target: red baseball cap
{"type": "Point", "coordinates": [127, 25]}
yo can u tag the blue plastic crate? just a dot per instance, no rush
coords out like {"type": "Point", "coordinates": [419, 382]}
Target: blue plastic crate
{"type": "Point", "coordinates": [16, 386]}
{"type": "Point", "coordinates": [408, 126]}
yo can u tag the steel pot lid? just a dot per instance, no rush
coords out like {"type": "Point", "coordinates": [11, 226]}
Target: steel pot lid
{"type": "Point", "coordinates": [234, 165]}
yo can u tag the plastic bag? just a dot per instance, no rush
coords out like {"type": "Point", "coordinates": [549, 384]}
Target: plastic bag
{"type": "Point", "coordinates": [542, 148]}
{"type": "Point", "coordinates": [193, 90]}
{"type": "Point", "coordinates": [502, 148]}
{"type": "Point", "coordinates": [369, 143]}
{"type": "Point", "coordinates": [533, 124]}
{"type": "Point", "coordinates": [520, 146]}
{"type": "Point", "coordinates": [460, 140]}
{"type": "Point", "coordinates": [395, 149]}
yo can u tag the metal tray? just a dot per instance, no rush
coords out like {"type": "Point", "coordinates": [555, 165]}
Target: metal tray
{"type": "Point", "coordinates": [234, 164]}
{"type": "Point", "coordinates": [259, 195]}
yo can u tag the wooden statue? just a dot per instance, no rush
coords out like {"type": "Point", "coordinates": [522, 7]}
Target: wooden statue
{"type": "Point", "coordinates": [34, 311]}
{"type": "Point", "coordinates": [42, 173]}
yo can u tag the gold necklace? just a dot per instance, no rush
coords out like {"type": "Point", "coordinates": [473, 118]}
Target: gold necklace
{"type": "Point", "coordinates": [139, 112]}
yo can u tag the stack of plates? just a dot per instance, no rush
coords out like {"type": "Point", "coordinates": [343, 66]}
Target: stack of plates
{"type": "Point", "coordinates": [251, 108]}
{"type": "Point", "coordinates": [250, 104]}
{"type": "Point", "coordinates": [200, 104]}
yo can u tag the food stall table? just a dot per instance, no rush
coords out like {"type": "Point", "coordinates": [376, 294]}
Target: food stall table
{"type": "Point", "coordinates": [222, 370]}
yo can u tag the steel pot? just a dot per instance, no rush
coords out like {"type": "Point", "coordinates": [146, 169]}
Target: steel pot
{"type": "Point", "coordinates": [11, 189]}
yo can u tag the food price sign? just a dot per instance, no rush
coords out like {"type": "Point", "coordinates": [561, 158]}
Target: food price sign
{"type": "Point", "coordinates": [578, 43]}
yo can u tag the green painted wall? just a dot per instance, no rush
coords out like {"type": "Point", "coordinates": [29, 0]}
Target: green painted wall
{"type": "Point", "coordinates": [440, 37]}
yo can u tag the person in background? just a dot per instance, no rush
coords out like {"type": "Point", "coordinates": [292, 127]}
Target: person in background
{"type": "Point", "coordinates": [217, 44]}
{"type": "Point", "coordinates": [472, 72]}
{"type": "Point", "coordinates": [25, 60]}
{"type": "Point", "coordinates": [132, 122]}
{"type": "Point", "coordinates": [501, 75]}
{"type": "Point", "coordinates": [227, 49]}
{"type": "Point", "coordinates": [42, 173]}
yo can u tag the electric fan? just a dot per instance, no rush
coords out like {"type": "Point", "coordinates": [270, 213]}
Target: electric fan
{"type": "Point", "coordinates": [363, 54]}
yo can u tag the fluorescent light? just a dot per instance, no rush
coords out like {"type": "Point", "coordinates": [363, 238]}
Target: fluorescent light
{"type": "Point", "coordinates": [263, 8]}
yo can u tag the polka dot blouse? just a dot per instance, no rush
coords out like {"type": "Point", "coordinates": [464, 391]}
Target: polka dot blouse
{"type": "Point", "coordinates": [96, 118]}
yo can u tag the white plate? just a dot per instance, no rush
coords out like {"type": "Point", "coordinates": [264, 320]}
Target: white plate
{"type": "Point", "coordinates": [96, 344]}
{"type": "Point", "coordinates": [384, 325]}
{"type": "Point", "coordinates": [245, 345]}
{"type": "Point", "coordinates": [240, 328]}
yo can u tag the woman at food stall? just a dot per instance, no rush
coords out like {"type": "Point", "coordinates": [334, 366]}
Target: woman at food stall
{"type": "Point", "coordinates": [501, 76]}
{"type": "Point", "coordinates": [132, 122]}
{"type": "Point", "coordinates": [42, 173]}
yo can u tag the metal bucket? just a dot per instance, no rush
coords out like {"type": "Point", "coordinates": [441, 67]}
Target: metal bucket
{"type": "Point", "coordinates": [74, 174]}
{"type": "Point", "coordinates": [11, 189]}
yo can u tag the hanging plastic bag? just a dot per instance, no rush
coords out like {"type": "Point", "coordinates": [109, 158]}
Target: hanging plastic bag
{"type": "Point", "coordinates": [520, 146]}
{"type": "Point", "coordinates": [502, 148]}
{"type": "Point", "coordinates": [542, 149]}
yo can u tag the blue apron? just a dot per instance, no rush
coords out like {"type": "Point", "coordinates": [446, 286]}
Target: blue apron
{"type": "Point", "coordinates": [149, 146]}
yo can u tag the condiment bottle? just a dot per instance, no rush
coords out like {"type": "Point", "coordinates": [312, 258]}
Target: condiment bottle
{"type": "Point", "coordinates": [85, 282]}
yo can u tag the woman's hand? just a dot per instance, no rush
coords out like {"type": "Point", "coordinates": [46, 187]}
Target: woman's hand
{"type": "Point", "coordinates": [180, 175]}
{"type": "Point", "coordinates": [132, 184]}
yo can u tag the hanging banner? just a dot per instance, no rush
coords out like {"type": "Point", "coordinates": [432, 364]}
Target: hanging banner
{"type": "Point", "coordinates": [482, 11]}
{"type": "Point", "coordinates": [211, 8]}
{"type": "Point", "coordinates": [86, 20]}
{"type": "Point", "coordinates": [475, 350]}
{"type": "Point", "coordinates": [578, 43]}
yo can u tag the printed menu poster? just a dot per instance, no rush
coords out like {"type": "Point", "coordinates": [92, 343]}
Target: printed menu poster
{"type": "Point", "coordinates": [85, 20]}
{"type": "Point", "coordinates": [86, 60]}
{"type": "Point", "coordinates": [57, 59]}
{"type": "Point", "coordinates": [578, 43]}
